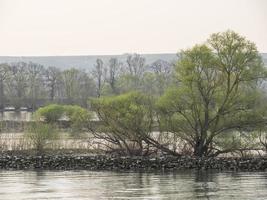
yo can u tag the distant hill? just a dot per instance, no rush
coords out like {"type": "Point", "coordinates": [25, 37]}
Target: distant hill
{"type": "Point", "coordinates": [84, 62]}
{"type": "Point", "coordinates": [87, 62]}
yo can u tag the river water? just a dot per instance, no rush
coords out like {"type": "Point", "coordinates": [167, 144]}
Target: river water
{"type": "Point", "coordinates": [81, 185]}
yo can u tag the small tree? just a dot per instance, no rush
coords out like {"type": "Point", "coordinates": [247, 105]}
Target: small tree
{"type": "Point", "coordinates": [127, 123]}
{"type": "Point", "coordinates": [127, 120]}
{"type": "Point", "coordinates": [40, 134]}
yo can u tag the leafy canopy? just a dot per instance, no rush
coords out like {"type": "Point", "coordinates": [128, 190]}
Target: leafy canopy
{"type": "Point", "coordinates": [218, 92]}
{"type": "Point", "coordinates": [78, 116]}
{"type": "Point", "coordinates": [128, 115]}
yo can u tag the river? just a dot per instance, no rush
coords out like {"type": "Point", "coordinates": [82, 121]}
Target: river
{"type": "Point", "coordinates": [81, 185]}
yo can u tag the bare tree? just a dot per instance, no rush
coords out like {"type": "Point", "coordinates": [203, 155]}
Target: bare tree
{"type": "Point", "coordinates": [35, 76]}
{"type": "Point", "coordinates": [70, 83]}
{"type": "Point", "coordinates": [77, 86]}
{"type": "Point", "coordinates": [18, 84]}
{"type": "Point", "coordinates": [136, 65]}
{"type": "Point", "coordinates": [161, 67]}
{"type": "Point", "coordinates": [4, 72]}
{"type": "Point", "coordinates": [87, 88]}
{"type": "Point", "coordinates": [99, 73]}
{"type": "Point", "coordinates": [113, 73]}
{"type": "Point", "coordinates": [162, 71]}
{"type": "Point", "coordinates": [52, 78]}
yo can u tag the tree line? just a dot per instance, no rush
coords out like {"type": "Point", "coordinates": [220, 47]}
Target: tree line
{"type": "Point", "coordinates": [215, 104]}
{"type": "Point", "coordinates": [33, 85]}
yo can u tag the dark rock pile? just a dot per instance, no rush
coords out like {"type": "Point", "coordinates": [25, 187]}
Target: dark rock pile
{"type": "Point", "coordinates": [101, 162]}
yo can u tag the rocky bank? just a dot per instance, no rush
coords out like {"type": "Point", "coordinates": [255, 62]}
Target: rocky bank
{"type": "Point", "coordinates": [101, 162]}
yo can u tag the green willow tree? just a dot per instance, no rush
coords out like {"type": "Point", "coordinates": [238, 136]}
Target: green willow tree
{"type": "Point", "coordinates": [127, 120]}
{"type": "Point", "coordinates": [127, 124]}
{"type": "Point", "coordinates": [218, 93]}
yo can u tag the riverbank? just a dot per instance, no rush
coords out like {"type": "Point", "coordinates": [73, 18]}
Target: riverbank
{"type": "Point", "coordinates": [102, 162]}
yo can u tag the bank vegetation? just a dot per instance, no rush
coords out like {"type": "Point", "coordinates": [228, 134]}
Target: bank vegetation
{"type": "Point", "coordinates": [211, 102]}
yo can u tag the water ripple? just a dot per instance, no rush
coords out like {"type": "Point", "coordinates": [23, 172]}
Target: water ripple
{"type": "Point", "coordinates": [80, 185]}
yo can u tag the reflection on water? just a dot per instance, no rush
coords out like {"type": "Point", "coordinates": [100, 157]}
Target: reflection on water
{"type": "Point", "coordinates": [15, 116]}
{"type": "Point", "coordinates": [114, 185]}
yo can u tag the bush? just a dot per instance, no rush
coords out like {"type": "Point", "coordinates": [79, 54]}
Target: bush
{"type": "Point", "coordinates": [51, 113]}
{"type": "Point", "coordinates": [39, 134]}
{"type": "Point", "coordinates": [127, 122]}
{"type": "Point", "coordinates": [78, 116]}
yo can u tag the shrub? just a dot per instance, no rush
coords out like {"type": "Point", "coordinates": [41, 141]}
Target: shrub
{"type": "Point", "coordinates": [40, 134]}
{"type": "Point", "coordinates": [127, 124]}
{"type": "Point", "coordinates": [78, 116]}
{"type": "Point", "coordinates": [51, 113]}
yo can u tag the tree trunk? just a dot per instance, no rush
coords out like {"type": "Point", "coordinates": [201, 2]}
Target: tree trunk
{"type": "Point", "coordinates": [200, 149]}
{"type": "Point", "coordinates": [114, 91]}
{"type": "Point", "coordinates": [52, 93]}
{"type": "Point", "coordinates": [159, 146]}
{"type": "Point", "coordinates": [2, 95]}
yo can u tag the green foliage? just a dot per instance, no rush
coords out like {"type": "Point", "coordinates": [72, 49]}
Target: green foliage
{"type": "Point", "coordinates": [78, 116]}
{"type": "Point", "coordinates": [215, 103]}
{"type": "Point", "coordinates": [128, 82]}
{"type": "Point", "coordinates": [218, 92]}
{"type": "Point", "coordinates": [149, 84]}
{"type": "Point", "coordinates": [40, 134]}
{"type": "Point", "coordinates": [51, 113]}
{"type": "Point", "coordinates": [131, 112]}
{"type": "Point", "coordinates": [127, 117]}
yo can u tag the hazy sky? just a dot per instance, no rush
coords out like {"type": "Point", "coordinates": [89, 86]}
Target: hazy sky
{"type": "Point", "coordinates": [75, 27]}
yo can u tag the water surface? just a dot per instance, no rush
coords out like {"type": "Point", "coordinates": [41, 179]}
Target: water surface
{"type": "Point", "coordinates": [32, 185]}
